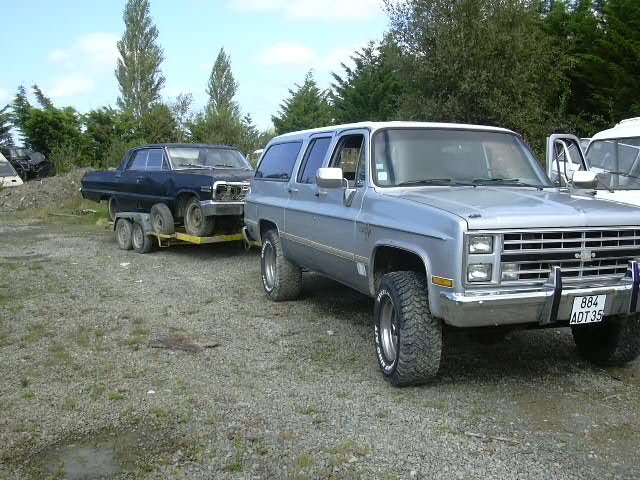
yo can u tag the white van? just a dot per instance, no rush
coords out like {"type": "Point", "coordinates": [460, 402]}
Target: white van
{"type": "Point", "coordinates": [8, 175]}
{"type": "Point", "coordinates": [613, 154]}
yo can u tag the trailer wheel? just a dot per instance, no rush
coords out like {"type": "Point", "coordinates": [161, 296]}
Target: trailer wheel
{"type": "Point", "coordinates": [141, 243]}
{"type": "Point", "coordinates": [162, 219]}
{"type": "Point", "coordinates": [195, 222]}
{"type": "Point", "coordinates": [124, 231]}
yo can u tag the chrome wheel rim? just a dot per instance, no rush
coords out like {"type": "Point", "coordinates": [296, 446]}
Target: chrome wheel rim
{"type": "Point", "coordinates": [388, 329]}
{"type": "Point", "coordinates": [269, 262]}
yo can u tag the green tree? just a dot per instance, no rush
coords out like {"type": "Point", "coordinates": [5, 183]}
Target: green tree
{"type": "Point", "coordinates": [307, 107]}
{"type": "Point", "coordinates": [372, 89]}
{"type": "Point", "coordinates": [138, 70]}
{"type": "Point", "coordinates": [180, 109]}
{"type": "Point", "coordinates": [222, 88]}
{"type": "Point", "coordinates": [480, 61]}
{"type": "Point", "coordinates": [105, 127]}
{"type": "Point", "coordinates": [5, 126]}
{"type": "Point", "coordinates": [159, 125]}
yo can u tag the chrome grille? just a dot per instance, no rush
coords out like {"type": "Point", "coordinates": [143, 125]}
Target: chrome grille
{"type": "Point", "coordinates": [580, 254]}
{"type": "Point", "coordinates": [230, 191]}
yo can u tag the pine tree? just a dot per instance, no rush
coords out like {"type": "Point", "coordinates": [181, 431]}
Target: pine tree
{"type": "Point", "coordinates": [307, 107]}
{"type": "Point", "coordinates": [222, 88]}
{"type": "Point", "coordinates": [5, 126]}
{"type": "Point", "coordinates": [138, 71]}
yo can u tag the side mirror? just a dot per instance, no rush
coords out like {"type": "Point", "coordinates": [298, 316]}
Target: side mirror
{"type": "Point", "coordinates": [584, 179]}
{"type": "Point", "coordinates": [329, 177]}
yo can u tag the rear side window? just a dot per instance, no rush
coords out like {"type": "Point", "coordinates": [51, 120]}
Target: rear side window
{"type": "Point", "coordinates": [277, 162]}
{"type": "Point", "coordinates": [313, 159]}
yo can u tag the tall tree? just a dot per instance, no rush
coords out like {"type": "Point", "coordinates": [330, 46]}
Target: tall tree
{"type": "Point", "coordinates": [138, 70]}
{"type": "Point", "coordinates": [307, 107]}
{"type": "Point", "coordinates": [222, 88]}
{"type": "Point", "coordinates": [180, 109]}
{"type": "Point", "coordinates": [480, 61]}
{"type": "Point", "coordinates": [5, 126]}
{"type": "Point", "coordinates": [371, 89]}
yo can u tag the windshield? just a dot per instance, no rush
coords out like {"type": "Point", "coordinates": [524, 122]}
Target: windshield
{"type": "Point", "coordinates": [448, 157]}
{"type": "Point", "coordinates": [617, 162]}
{"type": "Point", "coordinates": [189, 157]}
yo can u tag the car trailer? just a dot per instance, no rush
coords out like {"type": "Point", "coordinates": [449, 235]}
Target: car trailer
{"type": "Point", "coordinates": [135, 230]}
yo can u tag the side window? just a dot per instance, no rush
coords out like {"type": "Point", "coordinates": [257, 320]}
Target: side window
{"type": "Point", "coordinates": [154, 160]}
{"type": "Point", "coordinates": [349, 155]}
{"type": "Point", "coordinates": [139, 160]}
{"type": "Point", "coordinates": [313, 159]}
{"type": "Point", "coordinates": [277, 162]}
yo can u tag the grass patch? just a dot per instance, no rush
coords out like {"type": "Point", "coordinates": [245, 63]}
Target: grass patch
{"type": "Point", "coordinates": [238, 460]}
{"type": "Point", "coordinates": [116, 396]}
{"type": "Point", "coordinates": [59, 353]}
{"type": "Point", "coordinates": [37, 332]}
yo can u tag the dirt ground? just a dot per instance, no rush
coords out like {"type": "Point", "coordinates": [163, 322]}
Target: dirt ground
{"type": "Point", "coordinates": [174, 364]}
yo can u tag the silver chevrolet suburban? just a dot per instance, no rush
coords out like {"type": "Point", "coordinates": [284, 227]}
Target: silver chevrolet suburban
{"type": "Point", "coordinates": [445, 225]}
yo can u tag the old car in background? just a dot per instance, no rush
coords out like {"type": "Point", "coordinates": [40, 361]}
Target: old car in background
{"type": "Point", "coordinates": [27, 163]}
{"type": "Point", "coordinates": [202, 186]}
{"type": "Point", "coordinates": [446, 226]}
{"type": "Point", "coordinates": [8, 175]}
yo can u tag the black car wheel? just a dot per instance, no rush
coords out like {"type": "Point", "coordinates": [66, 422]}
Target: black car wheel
{"type": "Point", "coordinates": [195, 222]}
{"type": "Point", "coordinates": [141, 243]}
{"type": "Point", "coordinates": [408, 339]}
{"type": "Point", "coordinates": [281, 278]}
{"type": "Point", "coordinates": [124, 231]}
{"type": "Point", "coordinates": [613, 342]}
{"type": "Point", "coordinates": [162, 219]}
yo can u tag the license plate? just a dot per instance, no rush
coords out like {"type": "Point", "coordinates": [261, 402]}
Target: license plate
{"type": "Point", "coordinates": [589, 309]}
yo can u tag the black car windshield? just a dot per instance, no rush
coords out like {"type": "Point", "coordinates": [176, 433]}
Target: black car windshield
{"type": "Point", "coordinates": [211, 157]}
{"type": "Point", "coordinates": [409, 156]}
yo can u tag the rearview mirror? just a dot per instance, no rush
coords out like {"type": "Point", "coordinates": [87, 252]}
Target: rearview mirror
{"type": "Point", "coordinates": [584, 179]}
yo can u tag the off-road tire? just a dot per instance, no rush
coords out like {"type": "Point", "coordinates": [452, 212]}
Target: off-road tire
{"type": "Point", "coordinates": [162, 219]}
{"type": "Point", "coordinates": [408, 339]}
{"type": "Point", "coordinates": [113, 208]}
{"type": "Point", "coordinates": [612, 343]}
{"type": "Point", "coordinates": [195, 222]}
{"type": "Point", "coordinates": [281, 278]}
{"type": "Point", "coordinates": [124, 231]}
{"type": "Point", "coordinates": [141, 243]}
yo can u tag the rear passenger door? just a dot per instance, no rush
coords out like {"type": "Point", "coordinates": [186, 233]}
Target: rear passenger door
{"type": "Point", "coordinates": [144, 181]}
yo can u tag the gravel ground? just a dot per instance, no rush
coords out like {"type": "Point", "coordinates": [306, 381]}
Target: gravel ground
{"type": "Point", "coordinates": [174, 364]}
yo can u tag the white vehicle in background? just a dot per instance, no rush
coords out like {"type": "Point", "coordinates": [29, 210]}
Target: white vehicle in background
{"type": "Point", "coordinates": [8, 175]}
{"type": "Point", "coordinates": [613, 154]}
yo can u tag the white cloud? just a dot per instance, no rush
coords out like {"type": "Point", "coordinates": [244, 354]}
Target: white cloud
{"type": "Point", "coordinates": [287, 54]}
{"type": "Point", "coordinates": [329, 10]}
{"type": "Point", "coordinates": [70, 85]}
{"type": "Point", "coordinates": [100, 50]}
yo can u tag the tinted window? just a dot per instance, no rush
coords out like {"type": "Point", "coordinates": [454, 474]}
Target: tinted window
{"type": "Point", "coordinates": [139, 160]}
{"type": "Point", "coordinates": [313, 159]}
{"type": "Point", "coordinates": [277, 162]}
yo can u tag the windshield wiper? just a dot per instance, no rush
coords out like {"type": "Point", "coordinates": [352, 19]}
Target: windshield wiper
{"type": "Point", "coordinates": [432, 181]}
{"type": "Point", "coordinates": [224, 165]}
{"type": "Point", "coordinates": [189, 165]}
{"type": "Point", "coordinates": [506, 180]}
{"type": "Point", "coordinates": [624, 174]}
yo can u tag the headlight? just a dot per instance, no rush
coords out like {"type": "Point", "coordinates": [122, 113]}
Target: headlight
{"type": "Point", "coordinates": [479, 272]}
{"type": "Point", "coordinates": [510, 271]}
{"type": "Point", "coordinates": [481, 244]}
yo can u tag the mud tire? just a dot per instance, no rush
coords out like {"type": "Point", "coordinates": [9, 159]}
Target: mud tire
{"type": "Point", "coordinates": [162, 219]}
{"type": "Point", "coordinates": [141, 243]}
{"type": "Point", "coordinates": [195, 222]}
{"type": "Point", "coordinates": [612, 343]}
{"type": "Point", "coordinates": [124, 231]}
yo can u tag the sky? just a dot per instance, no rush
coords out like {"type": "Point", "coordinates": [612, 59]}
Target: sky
{"type": "Point", "coordinates": [68, 47]}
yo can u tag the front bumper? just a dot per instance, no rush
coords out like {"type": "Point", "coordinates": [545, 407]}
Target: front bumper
{"type": "Point", "coordinates": [211, 207]}
{"type": "Point", "coordinates": [542, 305]}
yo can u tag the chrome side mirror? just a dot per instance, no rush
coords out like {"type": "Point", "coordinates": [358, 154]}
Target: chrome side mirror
{"type": "Point", "coordinates": [329, 177]}
{"type": "Point", "coordinates": [584, 179]}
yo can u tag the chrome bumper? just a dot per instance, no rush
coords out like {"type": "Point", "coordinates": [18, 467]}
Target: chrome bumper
{"type": "Point", "coordinates": [211, 207]}
{"type": "Point", "coordinates": [544, 305]}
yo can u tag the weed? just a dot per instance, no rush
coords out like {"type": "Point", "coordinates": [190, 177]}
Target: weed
{"type": "Point", "coordinates": [28, 395]}
{"type": "Point", "coordinates": [116, 396]}
{"type": "Point", "coordinates": [60, 353]}
{"type": "Point", "coordinates": [36, 332]}
{"type": "Point", "coordinates": [305, 461]}
{"type": "Point", "coordinates": [24, 382]}
{"type": "Point", "coordinates": [238, 461]}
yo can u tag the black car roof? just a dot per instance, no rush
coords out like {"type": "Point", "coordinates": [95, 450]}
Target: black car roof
{"type": "Point", "coordinates": [189, 145]}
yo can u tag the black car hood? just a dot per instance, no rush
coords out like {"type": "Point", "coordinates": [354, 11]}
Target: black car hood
{"type": "Point", "coordinates": [229, 174]}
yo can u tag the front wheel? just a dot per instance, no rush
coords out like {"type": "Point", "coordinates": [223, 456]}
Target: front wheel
{"type": "Point", "coordinates": [195, 222]}
{"type": "Point", "coordinates": [141, 243]}
{"type": "Point", "coordinates": [281, 278]}
{"type": "Point", "coordinates": [408, 339]}
{"type": "Point", "coordinates": [612, 343]}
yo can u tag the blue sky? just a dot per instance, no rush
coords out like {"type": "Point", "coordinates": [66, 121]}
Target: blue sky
{"type": "Point", "coordinates": [68, 47]}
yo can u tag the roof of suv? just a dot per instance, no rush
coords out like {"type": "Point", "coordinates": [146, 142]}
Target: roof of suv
{"type": "Point", "coordinates": [402, 124]}
{"type": "Point", "coordinates": [627, 128]}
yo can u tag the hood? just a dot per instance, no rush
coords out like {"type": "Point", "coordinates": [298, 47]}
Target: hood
{"type": "Point", "coordinates": [228, 174]}
{"type": "Point", "coordinates": [485, 207]}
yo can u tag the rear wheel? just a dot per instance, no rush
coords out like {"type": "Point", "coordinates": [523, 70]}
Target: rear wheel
{"type": "Point", "coordinates": [195, 222]}
{"type": "Point", "coordinates": [408, 339]}
{"type": "Point", "coordinates": [124, 231]}
{"type": "Point", "coordinates": [113, 207]}
{"type": "Point", "coordinates": [281, 278]}
{"type": "Point", "coordinates": [613, 342]}
{"type": "Point", "coordinates": [162, 219]}
{"type": "Point", "coordinates": [141, 243]}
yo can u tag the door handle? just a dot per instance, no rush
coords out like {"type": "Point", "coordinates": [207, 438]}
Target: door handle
{"type": "Point", "coordinates": [139, 179]}
{"type": "Point", "coordinates": [292, 190]}
{"type": "Point", "coordinates": [320, 194]}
